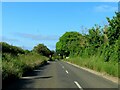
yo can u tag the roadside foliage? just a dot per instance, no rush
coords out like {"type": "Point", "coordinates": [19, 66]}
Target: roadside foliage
{"type": "Point", "coordinates": [98, 50]}
{"type": "Point", "coordinates": [17, 61]}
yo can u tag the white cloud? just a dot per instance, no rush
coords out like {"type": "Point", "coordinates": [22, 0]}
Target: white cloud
{"type": "Point", "coordinates": [106, 8]}
{"type": "Point", "coordinates": [9, 39]}
{"type": "Point", "coordinates": [37, 37]}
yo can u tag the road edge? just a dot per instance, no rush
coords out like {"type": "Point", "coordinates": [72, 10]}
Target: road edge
{"type": "Point", "coordinates": [103, 75]}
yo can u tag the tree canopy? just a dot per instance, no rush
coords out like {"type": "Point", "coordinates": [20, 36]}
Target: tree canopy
{"type": "Point", "coordinates": [42, 49]}
{"type": "Point", "coordinates": [99, 41]}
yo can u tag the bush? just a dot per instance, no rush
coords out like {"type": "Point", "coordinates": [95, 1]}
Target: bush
{"type": "Point", "coordinates": [16, 67]}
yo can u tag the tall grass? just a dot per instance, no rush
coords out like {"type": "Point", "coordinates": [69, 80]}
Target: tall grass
{"type": "Point", "coordinates": [96, 63]}
{"type": "Point", "coordinates": [15, 67]}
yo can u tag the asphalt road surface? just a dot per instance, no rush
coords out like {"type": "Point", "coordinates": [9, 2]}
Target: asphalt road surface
{"type": "Point", "coordinates": [59, 74]}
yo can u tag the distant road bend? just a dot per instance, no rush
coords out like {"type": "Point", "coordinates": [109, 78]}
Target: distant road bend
{"type": "Point", "coordinates": [59, 74]}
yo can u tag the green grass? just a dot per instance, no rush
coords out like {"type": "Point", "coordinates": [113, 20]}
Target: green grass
{"type": "Point", "coordinates": [15, 67]}
{"type": "Point", "coordinates": [96, 63]}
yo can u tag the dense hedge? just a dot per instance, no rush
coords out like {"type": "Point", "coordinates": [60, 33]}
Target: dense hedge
{"type": "Point", "coordinates": [98, 50]}
{"type": "Point", "coordinates": [17, 61]}
{"type": "Point", "coordinates": [100, 41]}
{"type": "Point", "coordinates": [6, 48]}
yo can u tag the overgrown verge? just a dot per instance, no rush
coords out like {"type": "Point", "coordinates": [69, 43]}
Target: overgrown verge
{"type": "Point", "coordinates": [16, 62]}
{"type": "Point", "coordinates": [99, 49]}
{"type": "Point", "coordinates": [96, 63]}
{"type": "Point", "coordinates": [15, 67]}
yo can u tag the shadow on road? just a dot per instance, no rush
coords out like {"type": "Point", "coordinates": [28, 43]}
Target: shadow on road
{"type": "Point", "coordinates": [37, 70]}
{"type": "Point", "coordinates": [27, 79]}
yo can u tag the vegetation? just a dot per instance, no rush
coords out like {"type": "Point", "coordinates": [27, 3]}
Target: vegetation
{"type": "Point", "coordinates": [98, 50]}
{"type": "Point", "coordinates": [16, 61]}
{"type": "Point", "coordinates": [42, 49]}
{"type": "Point", "coordinates": [6, 48]}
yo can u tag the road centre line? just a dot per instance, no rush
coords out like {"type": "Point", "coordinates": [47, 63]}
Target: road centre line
{"type": "Point", "coordinates": [78, 85]}
{"type": "Point", "coordinates": [64, 68]}
{"type": "Point", "coordinates": [66, 71]}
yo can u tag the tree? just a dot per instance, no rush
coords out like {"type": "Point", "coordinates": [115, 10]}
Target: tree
{"type": "Point", "coordinates": [95, 37]}
{"type": "Point", "coordinates": [114, 28]}
{"type": "Point", "coordinates": [69, 43]}
{"type": "Point", "coordinates": [42, 49]}
{"type": "Point", "coordinates": [14, 50]}
{"type": "Point", "coordinates": [99, 41]}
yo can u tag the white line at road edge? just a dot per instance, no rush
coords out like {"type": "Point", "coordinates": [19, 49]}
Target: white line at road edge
{"type": "Point", "coordinates": [78, 85]}
{"type": "Point", "coordinates": [106, 76]}
{"type": "Point", "coordinates": [66, 71]}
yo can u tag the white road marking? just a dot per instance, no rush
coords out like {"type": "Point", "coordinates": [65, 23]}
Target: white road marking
{"type": "Point", "coordinates": [32, 77]}
{"type": "Point", "coordinates": [25, 77]}
{"type": "Point", "coordinates": [66, 71]}
{"type": "Point", "coordinates": [62, 66]}
{"type": "Point", "coordinates": [78, 85]}
{"type": "Point", "coordinates": [37, 70]}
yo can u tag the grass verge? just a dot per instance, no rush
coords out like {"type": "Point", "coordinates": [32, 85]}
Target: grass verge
{"type": "Point", "coordinates": [97, 64]}
{"type": "Point", "coordinates": [16, 67]}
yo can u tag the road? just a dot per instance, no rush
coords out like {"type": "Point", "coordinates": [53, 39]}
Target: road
{"type": "Point", "coordinates": [59, 74]}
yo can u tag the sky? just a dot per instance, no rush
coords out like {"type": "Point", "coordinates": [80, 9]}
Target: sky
{"type": "Point", "coordinates": [26, 24]}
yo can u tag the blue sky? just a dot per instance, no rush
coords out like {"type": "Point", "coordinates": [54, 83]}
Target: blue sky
{"type": "Point", "coordinates": [27, 24]}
